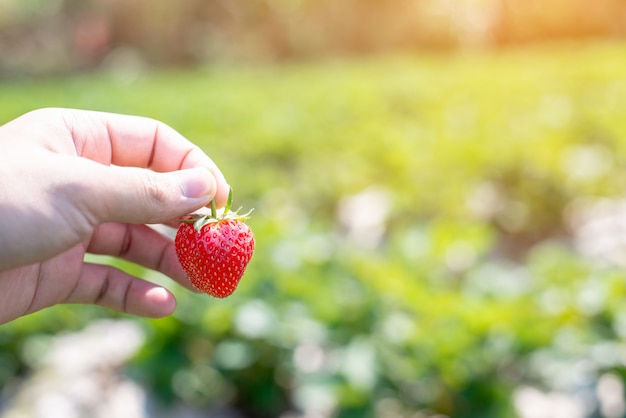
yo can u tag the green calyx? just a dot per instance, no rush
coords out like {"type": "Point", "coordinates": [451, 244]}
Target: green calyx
{"type": "Point", "coordinates": [199, 220]}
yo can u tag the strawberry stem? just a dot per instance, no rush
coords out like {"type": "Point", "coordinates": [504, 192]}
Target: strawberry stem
{"type": "Point", "coordinates": [213, 209]}
{"type": "Point", "coordinates": [199, 220]}
{"type": "Point", "coordinates": [229, 201]}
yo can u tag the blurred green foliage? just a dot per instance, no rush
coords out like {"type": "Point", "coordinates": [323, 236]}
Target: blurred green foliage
{"type": "Point", "coordinates": [471, 289]}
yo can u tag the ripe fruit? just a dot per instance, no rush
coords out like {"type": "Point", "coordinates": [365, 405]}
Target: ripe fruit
{"type": "Point", "coordinates": [215, 250]}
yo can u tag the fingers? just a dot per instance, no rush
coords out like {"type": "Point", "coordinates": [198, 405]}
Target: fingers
{"type": "Point", "coordinates": [134, 195]}
{"type": "Point", "coordinates": [141, 245]}
{"type": "Point", "coordinates": [121, 140]}
{"type": "Point", "coordinates": [134, 141]}
{"type": "Point", "coordinates": [131, 141]}
{"type": "Point", "coordinates": [111, 288]}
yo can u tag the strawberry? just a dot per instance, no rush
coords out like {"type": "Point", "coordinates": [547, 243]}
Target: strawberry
{"type": "Point", "coordinates": [215, 250]}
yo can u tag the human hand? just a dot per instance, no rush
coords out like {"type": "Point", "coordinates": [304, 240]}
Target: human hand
{"type": "Point", "coordinates": [75, 182]}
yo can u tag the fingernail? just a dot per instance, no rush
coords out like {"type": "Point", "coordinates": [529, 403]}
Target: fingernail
{"type": "Point", "coordinates": [196, 182]}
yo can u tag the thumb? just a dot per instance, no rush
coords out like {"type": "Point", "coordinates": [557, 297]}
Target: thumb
{"type": "Point", "coordinates": [137, 195]}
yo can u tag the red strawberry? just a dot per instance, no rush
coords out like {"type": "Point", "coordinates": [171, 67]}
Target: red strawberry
{"type": "Point", "coordinates": [215, 250]}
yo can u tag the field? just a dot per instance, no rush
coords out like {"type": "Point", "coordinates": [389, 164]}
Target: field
{"type": "Point", "coordinates": [437, 235]}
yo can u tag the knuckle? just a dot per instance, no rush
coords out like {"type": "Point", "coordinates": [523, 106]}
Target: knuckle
{"type": "Point", "coordinates": [158, 193]}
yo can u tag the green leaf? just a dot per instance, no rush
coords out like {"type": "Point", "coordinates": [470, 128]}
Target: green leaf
{"type": "Point", "coordinates": [200, 222]}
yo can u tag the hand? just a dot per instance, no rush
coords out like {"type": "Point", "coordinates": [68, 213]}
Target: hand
{"type": "Point", "coordinates": [75, 182]}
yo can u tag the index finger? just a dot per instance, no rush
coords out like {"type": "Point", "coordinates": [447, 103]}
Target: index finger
{"type": "Point", "coordinates": [137, 141]}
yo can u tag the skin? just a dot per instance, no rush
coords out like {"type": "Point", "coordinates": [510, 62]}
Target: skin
{"type": "Point", "coordinates": [74, 182]}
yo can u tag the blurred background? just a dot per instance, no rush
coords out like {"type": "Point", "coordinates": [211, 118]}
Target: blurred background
{"type": "Point", "coordinates": [440, 207]}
